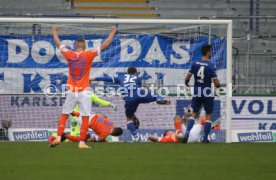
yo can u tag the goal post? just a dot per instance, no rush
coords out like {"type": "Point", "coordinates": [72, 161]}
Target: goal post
{"type": "Point", "coordinates": [173, 30]}
{"type": "Point", "coordinates": [229, 82]}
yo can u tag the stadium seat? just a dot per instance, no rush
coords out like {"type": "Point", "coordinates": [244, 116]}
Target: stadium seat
{"type": "Point", "coordinates": [114, 8]}
{"type": "Point", "coordinates": [119, 11]}
{"type": "Point", "coordinates": [122, 15]}
{"type": "Point", "coordinates": [117, 8]}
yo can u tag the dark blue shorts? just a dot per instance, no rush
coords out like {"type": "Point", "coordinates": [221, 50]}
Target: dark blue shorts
{"type": "Point", "coordinates": [206, 102]}
{"type": "Point", "coordinates": [132, 103]}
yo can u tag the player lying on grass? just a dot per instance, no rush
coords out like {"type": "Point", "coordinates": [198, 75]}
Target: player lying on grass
{"type": "Point", "coordinates": [204, 74]}
{"type": "Point", "coordinates": [131, 85]}
{"type": "Point", "coordinates": [78, 86]}
{"type": "Point", "coordinates": [99, 123]}
{"type": "Point", "coordinates": [74, 126]}
{"type": "Point", "coordinates": [180, 126]}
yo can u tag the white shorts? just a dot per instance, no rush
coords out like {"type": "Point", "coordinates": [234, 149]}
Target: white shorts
{"type": "Point", "coordinates": [80, 98]}
{"type": "Point", "coordinates": [195, 133]}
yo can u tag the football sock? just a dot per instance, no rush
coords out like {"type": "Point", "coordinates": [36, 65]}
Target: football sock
{"type": "Point", "coordinates": [58, 137]}
{"type": "Point", "coordinates": [131, 127]}
{"type": "Point", "coordinates": [61, 125]}
{"type": "Point", "coordinates": [73, 138]}
{"type": "Point", "coordinates": [84, 128]}
{"type": "Point", "coordinates": [178, 126]}
{"type": "Point", "coordinates": [207, 129]}
{"type": "Point", "coordinates": [190, 125]}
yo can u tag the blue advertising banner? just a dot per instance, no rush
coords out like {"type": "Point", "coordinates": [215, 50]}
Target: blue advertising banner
{"type": "Point", "coordinates": [135, 50]}
{"type": "Point", "coordinates": [29, 64]}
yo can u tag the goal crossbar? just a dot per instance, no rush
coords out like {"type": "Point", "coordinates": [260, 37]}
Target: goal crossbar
{"type": "Point", "coordinates": [114, 21]}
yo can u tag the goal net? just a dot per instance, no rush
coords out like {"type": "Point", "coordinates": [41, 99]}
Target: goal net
{"type": "Point", "coordinates": [33, 72]}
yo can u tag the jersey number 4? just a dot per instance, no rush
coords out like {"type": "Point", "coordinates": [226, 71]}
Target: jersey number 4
{"type": "Point", "coordinates": [200, 73]}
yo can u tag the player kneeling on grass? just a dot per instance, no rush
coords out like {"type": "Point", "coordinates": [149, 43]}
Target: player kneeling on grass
{"type": "Point", "coordinates": [180, 126]}
{"type": "Point", "coordinates": [100, 124]}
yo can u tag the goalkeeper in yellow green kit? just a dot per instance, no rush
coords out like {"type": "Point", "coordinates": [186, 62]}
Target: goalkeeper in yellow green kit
{"type": "Point", "coordinates": [74, 127]}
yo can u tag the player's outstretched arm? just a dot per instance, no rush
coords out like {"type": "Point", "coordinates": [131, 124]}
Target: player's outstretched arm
{"type": "Point", "coordinates": [178, 124]}
{"type": "Point", "coordinates": [108, 41]}
{"type": "Point", "coordinates": [55, 36]}
{"type": "Point", "coordinates": [188, 78]}
{"type": "Point", "coordinates": [106, 79]}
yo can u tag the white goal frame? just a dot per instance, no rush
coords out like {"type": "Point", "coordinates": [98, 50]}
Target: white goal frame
{"type": "Point", "coordinates": [228, 23]}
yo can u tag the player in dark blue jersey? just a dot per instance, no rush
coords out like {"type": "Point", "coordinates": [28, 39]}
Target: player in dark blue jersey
{"type": "Point", "coordinates": [133, 95]}
{"type": "Point", "coordinates": [204, 74]}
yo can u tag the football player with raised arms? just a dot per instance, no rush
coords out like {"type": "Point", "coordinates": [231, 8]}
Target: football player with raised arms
{"type": "Point", "coordinates": [78, 85]}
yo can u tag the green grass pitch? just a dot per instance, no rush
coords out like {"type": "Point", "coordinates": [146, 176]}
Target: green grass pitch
{"type": "Point", "coordinates": [131, 161]}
